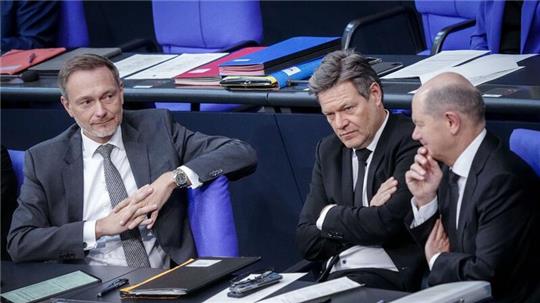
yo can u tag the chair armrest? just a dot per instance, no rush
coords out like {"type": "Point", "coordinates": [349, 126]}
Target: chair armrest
{"type": "Point", "coordinates": [443, 34]}
{"type": "Point", "coordinates": [352, 26]}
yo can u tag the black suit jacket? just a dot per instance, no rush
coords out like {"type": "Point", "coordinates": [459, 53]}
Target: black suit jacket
{"type": "Point", "coordinates": [346, 224]}
{"type": "Point", "coordinates": [48, 224]}
{"type": "Point", "coordinates": [497, 236]}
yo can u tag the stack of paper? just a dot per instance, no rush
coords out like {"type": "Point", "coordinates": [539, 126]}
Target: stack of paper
{"type": "Point", "coordinates": [178, 65]}
{"type": "Point", "coordinates": [137, 63]}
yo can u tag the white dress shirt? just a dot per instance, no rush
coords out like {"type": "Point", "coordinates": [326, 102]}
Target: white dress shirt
{"type": "Point", "coordinates": [108, 250]}
{"type": "Point", "coordinates": [461, 167]}
{"type": "Point", "coordinates": [360, 256]}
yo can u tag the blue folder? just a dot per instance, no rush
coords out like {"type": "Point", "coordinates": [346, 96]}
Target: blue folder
{"type": "Point", "coordinates": [281, 55]}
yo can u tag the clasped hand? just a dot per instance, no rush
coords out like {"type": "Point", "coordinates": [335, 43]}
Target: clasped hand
{"type": "Point", "coordinates": [134, 210]}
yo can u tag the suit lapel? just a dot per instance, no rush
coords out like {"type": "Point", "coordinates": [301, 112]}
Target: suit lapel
{"type": "Point", "coordinates": [346, 176]}
{"type": "Point", "coordinates": [488, 144]}
{"type": "Point", "coordinates": [137, 154]}
{"type": "Point", "coordinates": [73, 177]}
{"type": "Point", "coordinates": [378, 155]}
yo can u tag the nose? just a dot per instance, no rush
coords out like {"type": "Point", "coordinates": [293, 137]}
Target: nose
{"type": "Point", "coordinates": [99, 110]}
{"type": "Point", "coordinates": [340, 121]}
{"type": "Point", "coordinates": [416, 134]}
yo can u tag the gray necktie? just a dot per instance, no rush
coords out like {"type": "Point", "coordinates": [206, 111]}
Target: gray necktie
{"type": "Point", "coordinates": [131, 239]}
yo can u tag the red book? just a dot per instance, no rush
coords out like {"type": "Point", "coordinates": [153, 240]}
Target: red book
{"type": "Point", "coordinates": [208, 74]}
{"type": "Point", "coordinates": [17, 60]}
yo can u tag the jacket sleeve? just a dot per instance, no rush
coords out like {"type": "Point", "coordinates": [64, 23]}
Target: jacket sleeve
{"type": "Point", "coordinates": [32, 237]}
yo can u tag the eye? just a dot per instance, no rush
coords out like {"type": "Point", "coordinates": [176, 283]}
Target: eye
{"type": "Point", "coordinates": [348, 109]}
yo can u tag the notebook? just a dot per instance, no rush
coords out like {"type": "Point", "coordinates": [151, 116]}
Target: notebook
{"type": "Point", "coordinates": [280, 56]}
{"type": "Point", "coordinates": [54, 65]}
{"type": "Point", "coordinates": [208, 74]}
{"type": "Point", "coordinates": [187, 277]}
{"type": "Point", "coordinates": [16, 60]}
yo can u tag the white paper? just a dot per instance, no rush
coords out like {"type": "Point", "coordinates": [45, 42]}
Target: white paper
{"type": "Point", "coordinates": [480, 70]}
{"type": "Point", "coordinates": [287, 279]}
{"type": "Point", "coordinates": [434, 63]}
{"type": "Point", "coordinates": [203, 263]}
{"type": "Point", "coordinates": [181, 64]}
{"type": "Point", "coordinates": [137, 63]}
{"type": "Point", "coordinates": [314, 291]}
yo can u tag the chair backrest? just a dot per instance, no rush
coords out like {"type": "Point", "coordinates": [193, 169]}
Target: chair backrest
{"type": "Point", "coordinates": [17, 162]}
{"type": "Point", "coordinates": [526, 144]}
{"type": "Point", "coordinates": [437, 15]}
{"type": "Point", "coordinates": [209, 210]}
{"type": "Point", "coordinates": [211, 219]}
{"type": "Point", "coordinates": [72, 27]}
{"type": "Point", "coordinates": [201, 26]}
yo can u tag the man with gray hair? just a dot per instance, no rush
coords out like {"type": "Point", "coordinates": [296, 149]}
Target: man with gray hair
{"type": "Point", "coordinates": [352, 219]}
{"type": "Point", "coordinates": [111, 189]}
{"type": "Point", "coordinates": [478, 213]}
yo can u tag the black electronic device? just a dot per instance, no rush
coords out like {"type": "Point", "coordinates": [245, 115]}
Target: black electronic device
{"type": "Point", "coordinates": [247, 286]}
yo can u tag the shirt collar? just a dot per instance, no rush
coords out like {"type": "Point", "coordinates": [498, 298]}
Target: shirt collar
{"type": "Point", "coordinates": [90, 146]}
{"type": "Point", "coordinates": [463, 164]}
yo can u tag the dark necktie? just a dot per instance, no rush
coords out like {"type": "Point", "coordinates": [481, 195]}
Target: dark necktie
{"type": "Point", "coordinates": [326, 272]}
{"type": "Point", "coordinates": [131, 239]}
{"type": "Point", "coordinates": [362, 155]}
{"type": "Point", "coordinates": [453, 196]}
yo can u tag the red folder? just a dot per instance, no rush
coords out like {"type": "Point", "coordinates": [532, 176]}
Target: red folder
{"type": "Point", "coordinates": [17, 60]}
{"type": "Point", "coordinates": [208, 74]}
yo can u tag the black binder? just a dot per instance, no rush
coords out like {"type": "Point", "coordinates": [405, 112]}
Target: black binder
{"type": "Point", "coordinates": [187, 277]}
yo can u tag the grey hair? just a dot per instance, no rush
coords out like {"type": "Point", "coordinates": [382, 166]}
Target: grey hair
{"type": "Point", "coordinates": [84, 62]}
{"type": "Point", "coordinates": [341, 66]}
{"type": "Point", "coordinates": [466, 100]}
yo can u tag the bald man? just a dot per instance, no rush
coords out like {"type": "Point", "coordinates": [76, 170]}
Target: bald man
{"type": "Point", "coordinates": [477, 213]}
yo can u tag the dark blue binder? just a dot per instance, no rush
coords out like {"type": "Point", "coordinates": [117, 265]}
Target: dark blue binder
{"type": "Point", "coordinates": [280, 55]}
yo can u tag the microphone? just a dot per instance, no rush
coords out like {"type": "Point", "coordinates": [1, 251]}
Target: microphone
{"type": "Point", "coordinates": [26, 76]}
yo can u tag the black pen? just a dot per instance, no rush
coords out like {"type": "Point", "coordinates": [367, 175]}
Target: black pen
{"type": "Point", "coordinates": [114, 285]}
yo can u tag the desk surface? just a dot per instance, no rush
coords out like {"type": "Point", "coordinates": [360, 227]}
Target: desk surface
{"type": "Point", "coordinates": [19, 275]}
{"type": "Point", "coordinates": [525, 99]}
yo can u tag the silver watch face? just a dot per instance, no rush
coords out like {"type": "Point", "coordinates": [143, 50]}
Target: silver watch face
{"type": "Point", "coordinates": [180, 178]}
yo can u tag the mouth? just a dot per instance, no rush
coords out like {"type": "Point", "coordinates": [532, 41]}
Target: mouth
{"type": "Point", "coordinates": [102, 123]}
{"type": "Point", "coordinates": [347, 134]}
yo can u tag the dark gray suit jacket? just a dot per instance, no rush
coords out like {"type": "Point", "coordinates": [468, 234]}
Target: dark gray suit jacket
{"type": "Point", "coordinates": [47, 225]}
{"type": "Point", "coordinates": [347, 225]}
{"type": "Point", "coordinates": [497, 236]}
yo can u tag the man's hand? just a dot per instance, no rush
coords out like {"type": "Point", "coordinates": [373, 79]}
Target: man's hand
{"type": "Point", "coordinates": [384, 192]}
{"type": "Point", "coordinates": [423, 177]}
{"type": "Point", "coordinates": [131, 207]}
{"type": "Point", "coordinates": [162, 189]}
{"type": "Point", "coordinates": [437, 241]}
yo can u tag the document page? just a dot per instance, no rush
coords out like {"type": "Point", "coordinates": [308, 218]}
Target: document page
{"type": "Point", "coordinates": [315, 291]}
{"type": "Point", "coordinates": [48, 288]}
{"type": "Point", "coordinates": [481, 70]}
{"type": "Point", "coordinates": [287, 279]}
{"type": "Point", "coordinates": [137, 63]}
{"type": "Point", "coordinates": [442, 60]}
{"type": "Point", "coordinates": [181, 64]}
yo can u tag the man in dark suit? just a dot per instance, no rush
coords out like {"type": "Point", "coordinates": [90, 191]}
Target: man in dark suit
{"type": "Point", "coordinates": [344, 218]}
{"type": "Point", "coordinates": [84, 197]}
{"type": "Point", "coordinates": [478, 214]}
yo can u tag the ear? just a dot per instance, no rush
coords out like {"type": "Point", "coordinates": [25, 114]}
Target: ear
{"type": "Point", "coordinates": [453, 121]}
{"type": "Point", "coordinates": [376, 93]}
{"type": "Point", "coordinates": [122, 91]}
{"type": "Point", "coordinates": [66, 105]}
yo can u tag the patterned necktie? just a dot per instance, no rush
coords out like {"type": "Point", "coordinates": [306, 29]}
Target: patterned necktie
{"type": "Point", "coordinates": [362, 155]}
{"type": "Point", "coordinates": [131, 239]}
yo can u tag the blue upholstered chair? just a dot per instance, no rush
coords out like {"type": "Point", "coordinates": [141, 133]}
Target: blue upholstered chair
{"type": "Point", "coordinates": [203, 26]}
{"type": "Point", "coordinates": [453, 18]}
{"type": "Point", "coordinates": [72, 28]}
{"type": "Point", "coordinates": [209, 211]}
{"type": "Point", "coordinates": [526, 144]}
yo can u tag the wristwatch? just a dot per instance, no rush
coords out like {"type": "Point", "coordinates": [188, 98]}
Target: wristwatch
{"type": "Point", "coordinates": [180, 178]}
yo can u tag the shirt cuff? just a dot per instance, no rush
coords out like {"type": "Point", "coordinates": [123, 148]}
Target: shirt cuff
{"type": "Point", "coordinates": [192, 176]}
{"type": "Point", "coordinates": [423, 213]}
{"type": "Point", "coordinates": [322, 216]}
{"type": "Point", "coordinates": [89, 235]}
{"type": "Point", "coordinates": [433, 259]}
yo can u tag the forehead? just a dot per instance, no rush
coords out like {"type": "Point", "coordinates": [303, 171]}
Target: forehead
{"type": "Point", "coordinates": [85, 81]}
{"type": "Point", "coordinates": [338, 95]}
